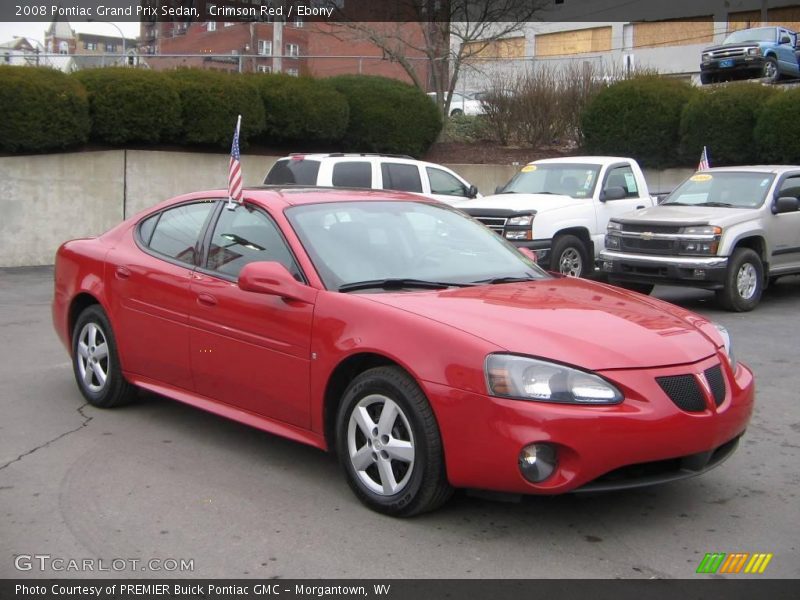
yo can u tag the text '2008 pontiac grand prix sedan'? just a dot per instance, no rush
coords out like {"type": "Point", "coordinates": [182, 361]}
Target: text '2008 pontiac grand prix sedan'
{"type": "Point", "coordinates": [421, 347]}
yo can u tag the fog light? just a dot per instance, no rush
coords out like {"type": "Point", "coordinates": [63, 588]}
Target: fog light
{"type": "Point", "coordinates": [699, 273]}
{"type": "Point", "coordinates": [608, 265]}
{"type": "Point", "coordinates": [537, 462]}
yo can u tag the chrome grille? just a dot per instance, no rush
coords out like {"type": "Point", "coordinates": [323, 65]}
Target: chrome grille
{"type": "Point", "coordinates": [728, 53]}
{"type": "Point", "coordinates": [496, 224]}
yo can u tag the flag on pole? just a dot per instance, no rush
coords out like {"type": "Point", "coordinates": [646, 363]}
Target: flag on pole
{"type": "Point", "coordinates": [703, 166]}
{"type": "Point", "coordinates": [235, 168]}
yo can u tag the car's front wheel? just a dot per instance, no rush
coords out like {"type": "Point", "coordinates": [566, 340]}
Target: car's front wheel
{"type": "Point", "coordinates": [744, 281]}
{"type": "Point", "coordinates": [95, 361]}
{"type": "Point", "coordinates": [569, 256]}
{"type": "Point", "coordinates": [389, 445]}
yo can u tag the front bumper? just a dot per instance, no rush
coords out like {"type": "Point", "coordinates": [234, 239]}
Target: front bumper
{"type": "Point", "coordinates": [708, 273]}
{"type": "Point", "coordinates": [741, 65]}
{"type": "Point", "coordinates": [599, 447]}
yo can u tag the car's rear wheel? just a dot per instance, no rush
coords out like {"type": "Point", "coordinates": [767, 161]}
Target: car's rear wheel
{"type": "Point", "coordinates": [744, 281]}
{"type": "Point", "coordinates": [389, 445]}
{"type": "Point", "coordinates": [95, 361]}
{"type": "Point", "coordinates": [569, 256]}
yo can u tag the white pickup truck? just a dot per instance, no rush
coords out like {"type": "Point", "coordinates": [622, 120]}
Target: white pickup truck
{"type": "Point", "coordinates": [560, 207]}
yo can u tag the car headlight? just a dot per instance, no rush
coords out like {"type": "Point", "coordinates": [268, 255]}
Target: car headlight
{"type": "Point", "coordinates": [727, 344]}
{"type": "Point", "coordinates": [521, 221]}
{"type": "Point", "coordinates": [523, 378]}
{"type": "Point", "coordinates": [613, 227]}
{"type": "Point", "coordinates": [701, 230]}
{"type": "Point", "coordinates": [706, 56]}
{"type": "Point", "coordinates": [754, 51]}
{"type": "Point", "coordinates": [613, 242]}
{"type": "Point", "coordinates": [707, 242]}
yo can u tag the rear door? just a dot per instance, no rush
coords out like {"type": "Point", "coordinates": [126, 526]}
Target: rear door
{"type": "Point", "coordinates": [401, 176]}
{"type": "Point", "coordinates": [149, 282]}
{"type": "Point", "coordinates": [249, 350]}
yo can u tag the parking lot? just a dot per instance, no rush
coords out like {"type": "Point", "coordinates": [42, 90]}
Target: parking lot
{"type": "Point", "coordinates": [161, 480]}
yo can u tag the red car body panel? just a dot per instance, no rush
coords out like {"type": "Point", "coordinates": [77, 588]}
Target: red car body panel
{"type": "Point", "coordinates": [268, 361]}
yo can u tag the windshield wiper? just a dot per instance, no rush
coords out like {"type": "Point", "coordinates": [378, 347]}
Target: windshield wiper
{"type": "Point", "coordinates": [718, 204]}
{"type": "Point", "coordinates": [399, 284]}
{"type": "Point", "coordinates": [495, 280]}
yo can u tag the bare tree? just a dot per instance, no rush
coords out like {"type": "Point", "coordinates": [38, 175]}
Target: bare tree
{"type": "Point", "coordinates": [451, 33]}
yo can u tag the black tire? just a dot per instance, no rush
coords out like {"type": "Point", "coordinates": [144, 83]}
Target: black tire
{"type": "Point", "coordinates": [569, 256]}
{"type": "Point", "coordinates": [642, 288]}
{"type": "Point", "coordinates": [732, 297]}
{"type": "Point", "coordinates": [115, 390]}
{"type": "Point", "coordinates": [456, 112]}
{"type": "Point", "coordinates": [770, 72]}
{"type": "Point", "coordinates": [706, 78]}
{"type": "Point", "coordinates": [422, 484]}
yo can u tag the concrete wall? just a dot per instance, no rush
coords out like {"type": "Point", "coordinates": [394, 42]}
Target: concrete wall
{"type": "Point", "coordinates": [47, 199]}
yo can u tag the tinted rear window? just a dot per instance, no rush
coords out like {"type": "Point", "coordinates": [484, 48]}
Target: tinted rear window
{"type": "Point", "coordinates": [401, 177]}
{"type": "Point", "coordinates": [352, 174]}
{"type": "Point", "coordinates": [293, 171]}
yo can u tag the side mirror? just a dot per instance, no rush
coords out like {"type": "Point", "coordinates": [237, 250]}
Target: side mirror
{"type": "Point", "coordinates": [274, 279]}
{"type": "Point", "coordinates": [785, 204]}
{"type": "Point", "coordinates": [528, 253]}
{"type": "Point", "coordinates": [499, 189]}
{"type": "Point", "coordinates": [472, 191]}
{"type": "Point", "coordinates": [613, 193]}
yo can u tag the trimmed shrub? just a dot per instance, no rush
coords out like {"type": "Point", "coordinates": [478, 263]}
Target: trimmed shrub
{"type": "Point", "coordinates": [723, 119]}
{"type": "Point", "coordinates": [301, 109]}
{"type": "Point", "coordinates": [387, 115]}
{"type": "Point", "coordinates": [131, 105]}
{"type": "Point", "coordinates": [210, 103]}
{"type": "Point", "coordinates": [639, 117]}
{"type": "Point", "coordinates": [777, 130]}
{"type": "Point", "coordinates": [43, 109]}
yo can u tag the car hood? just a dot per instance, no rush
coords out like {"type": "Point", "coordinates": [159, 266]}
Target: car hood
{"type": "Point", "coordinates": [574, 321]}
{"type": "Point", "coordinates": [749, 44]}
{"type": "Point", "coordinates": [664, 214]}
{"type": "Point", "coordinates": [521, 202]}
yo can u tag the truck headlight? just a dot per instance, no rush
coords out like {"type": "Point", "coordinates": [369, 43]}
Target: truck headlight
{"type": "Point", "coordinates": [698, 247]}
{"type": "Point", "coordinates": [521, 221]}
{"type": "Point", "coordinates": [706, 56]}
{"type": "Point", "coordinates": [727, 344]}
{"type": "Point", "coordinates": [613, 227]}
{"type": "Point", "coordinates": [524, 378]}
{"type": "Point", "coordinates": [519, 234]}
{"type": "Point", "coordinates": [707, 242]}
{"type": "Point", "coordinates": [613, 242]}
{"type": "Point", "coordinates": [754, 51]}
{"type": "Point", "coordinates": [701, 230]}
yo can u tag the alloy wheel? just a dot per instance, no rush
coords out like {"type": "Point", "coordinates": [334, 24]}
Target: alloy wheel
{"type": "Point", "coordinates": [570, 263]}
{"type": "Point", "coordinates": [93, 357]}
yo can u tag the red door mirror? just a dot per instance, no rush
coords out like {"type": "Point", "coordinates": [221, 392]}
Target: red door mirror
{"type": "Point", "coordinates": [274, 279]}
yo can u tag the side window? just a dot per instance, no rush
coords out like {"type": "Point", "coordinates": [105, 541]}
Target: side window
{"type": "Point", "coordinates": [352, 174]}
{"type": "Point", "coordinates": [246, 235]}
{"type": "Point", "coordinates": [790, 187]}
{"type": "Point", "coordinates": [146, 228]}
{"type": "Point", "coordinates": [444, 183]}
{"type": "Point", "coordinates": [401, 177]}
{"type": "Point", "coordinates": [293, 171]}
{"type": "Point", "coordinates": [623, 177]}
{"type": "Point", "coordinates": [177, 230]}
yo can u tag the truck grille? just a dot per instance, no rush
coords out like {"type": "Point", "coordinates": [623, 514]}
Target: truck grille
{"type": "Point", "coordinates": [630, 227]}
{"type": "Point", "coordinates": [728, 53]}
{"type": "Point", "coordinates": [684, 391]}
{"type": "Point", "coordinates": [496, 224]}
{"type": "Point", "coordinates": [648, 246]}
{"type": "Point", "coordinates": [716, 382]}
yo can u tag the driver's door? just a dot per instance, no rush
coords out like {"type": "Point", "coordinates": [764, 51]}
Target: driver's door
{"type": "Point", "coordinates": [617, 176]}
{"type": "Point", "coordinates": [249, 350]}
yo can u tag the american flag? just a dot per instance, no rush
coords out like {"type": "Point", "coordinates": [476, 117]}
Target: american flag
{"type": "Point", "coordinates": [703, 166]}
{"type": "Point", "coordinates": [235, 167]}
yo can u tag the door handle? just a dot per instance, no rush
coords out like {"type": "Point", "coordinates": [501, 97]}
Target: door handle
{"type": "Point", "coordinates": [122, 272]}
{"type": "Point", "coordinates": [206, 300]}
{"type": "Point", "coordinates": [640, 206]}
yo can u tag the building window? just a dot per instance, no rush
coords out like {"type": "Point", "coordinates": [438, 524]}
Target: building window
{"type": "Point", "coordinates": [298, 22]}
{"type": "Point", "coordinates": [293, 72]}
{"type": "Point", "coordinates": [63, 48]}
{"type": "Point", "coordinates": [292, 50]}
{"type": "Point", "coordinates": [264, 69]}
{"type": "Point", "coordinates": [90, 45]}
{"type": "Point", "coordinates": [265, 47]}
{"type": "Point", "coordinates": [111, 48]}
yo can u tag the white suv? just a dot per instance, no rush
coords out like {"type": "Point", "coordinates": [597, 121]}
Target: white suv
{"type": "Point", "coordinates": [372, 171]}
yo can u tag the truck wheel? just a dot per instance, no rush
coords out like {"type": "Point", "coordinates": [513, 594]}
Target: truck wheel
{"type": "Point", "coordinates": [770, 71]}
{"type": "Point", "coordinates": [569, 256]}
{"type": "Point", "coordinates": [744, 281]}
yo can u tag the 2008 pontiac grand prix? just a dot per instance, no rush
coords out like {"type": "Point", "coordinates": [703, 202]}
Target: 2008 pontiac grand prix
{"type": "Point", "coordinates": [415, 343]}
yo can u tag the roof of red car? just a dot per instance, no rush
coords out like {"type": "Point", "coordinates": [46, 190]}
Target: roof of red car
{"type": "Point", "coordinates": [295, 195]}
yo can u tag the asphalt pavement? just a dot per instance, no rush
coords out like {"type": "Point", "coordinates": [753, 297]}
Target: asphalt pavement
{"type": "Point", "coordinates": [161, 480]}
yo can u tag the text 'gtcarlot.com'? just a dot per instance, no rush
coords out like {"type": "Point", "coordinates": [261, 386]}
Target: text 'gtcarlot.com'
{"type": "Point", "coordinates": [46, 562]}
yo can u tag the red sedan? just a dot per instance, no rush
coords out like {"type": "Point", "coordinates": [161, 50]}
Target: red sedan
{"type": "Point", "coordinates": [420, 346]}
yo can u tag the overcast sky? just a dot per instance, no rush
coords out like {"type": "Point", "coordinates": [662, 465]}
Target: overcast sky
{"type": "Point", "coordinates": [35, 31]}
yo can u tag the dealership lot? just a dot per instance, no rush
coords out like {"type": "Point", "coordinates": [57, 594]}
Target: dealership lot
{"type": "Point", "coordinates": [160, 480]}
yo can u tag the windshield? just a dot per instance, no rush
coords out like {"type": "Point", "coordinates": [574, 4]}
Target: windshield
{"type": "Point", "coordinates": [351, 242]}
{"type": "Point", "coordinates": [575, 180]}
{"type": "Point", "coordinates": [760, 34]}
{"type": "Point", "coordinates": [731, 189]}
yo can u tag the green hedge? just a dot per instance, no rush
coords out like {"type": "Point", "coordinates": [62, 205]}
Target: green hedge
{"type": "Point", "coordinates": [638, 117]}
{"type": "Point", "coordinates": [387, 115]}
{"type": "Point", "coordinates": [210, 102]}
{"type": "Point", "coordinates": [131, 105]}
{"type": "Point", "coordinates": [43, 110]}
{"type": "Point", "coordinates": [301, 109]}
{"type": "Point", "coordinates": [723, 119]}
{"type": "Point", "coordinates": [777, 131]}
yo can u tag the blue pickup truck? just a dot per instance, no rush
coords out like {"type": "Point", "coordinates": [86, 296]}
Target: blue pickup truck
{"type": "Point", "coordinates": [767, 52]}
